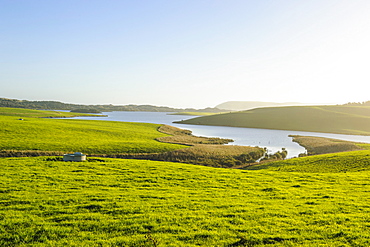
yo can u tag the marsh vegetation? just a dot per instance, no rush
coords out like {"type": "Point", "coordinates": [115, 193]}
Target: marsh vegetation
{"type": "Point", "coordinates": [320, 145]}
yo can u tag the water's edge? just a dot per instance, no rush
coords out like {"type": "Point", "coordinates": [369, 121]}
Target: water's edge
{"type": "Point", "coordinates": [273, 140]}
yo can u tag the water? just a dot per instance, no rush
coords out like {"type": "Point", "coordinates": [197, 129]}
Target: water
{"type": "Point", "coordinates": [273, 140]}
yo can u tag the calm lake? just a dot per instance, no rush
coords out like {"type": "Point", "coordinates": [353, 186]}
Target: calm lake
{"type": "Point", "coordinates": [273, 140]}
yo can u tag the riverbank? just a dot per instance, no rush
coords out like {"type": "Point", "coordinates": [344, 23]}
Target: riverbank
{"type": "Point", "coordinates": [117, 140]}
{"type": "Point", "coordinates": [202, 151]}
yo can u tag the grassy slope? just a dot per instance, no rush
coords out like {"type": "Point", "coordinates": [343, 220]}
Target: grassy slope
{"type": "Point", "coordinates": [194, 113]}
{"type": "Point", "coordinates": [337, 162]}
{"type": "Point", "coordinates": [333, 119]}
{"type": "Point", "coordinates": [117, 202]}
{"type": "Point", "coordinates": [87, 136]}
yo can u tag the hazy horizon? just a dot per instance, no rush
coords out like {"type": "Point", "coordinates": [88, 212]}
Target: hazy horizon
{"type": "Point", "coordinates": [185, 54]}
{"type": "Point", "coordinates": [253, 103]}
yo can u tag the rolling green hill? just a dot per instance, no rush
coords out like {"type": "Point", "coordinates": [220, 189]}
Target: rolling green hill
{"type": "Point", "coordinates": [38, 134]}
{"type": "Point", "coordinates": [353, 161]}
{"type": "Point", "coordinates": [87, 136]}
{"type": "Point", "coordinates": [115, 202]}
{"type": "Point", "coordinates": [330, 119]}
{"type": "Point", "coordinates": [19, 112]}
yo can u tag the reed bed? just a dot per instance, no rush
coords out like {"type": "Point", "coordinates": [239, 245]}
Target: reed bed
{"type": "Point", "coordinates": [321, 145]}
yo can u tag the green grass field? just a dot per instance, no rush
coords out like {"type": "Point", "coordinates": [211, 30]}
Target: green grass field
{"type": "Point", "coordinates": [37, 133]}
{"type": "Point", "coordinates": [337, 162]}
{"type": "Point", "coordinates": [87, 136]}
{"type": "Point", "coordinates": [320, 200]}
{"type": "Point", "coordinates": [113, 202]}
{"type": "Point", "coordinates": [330, 119]}
{"type": "Point", "coordinates": [35, 136]}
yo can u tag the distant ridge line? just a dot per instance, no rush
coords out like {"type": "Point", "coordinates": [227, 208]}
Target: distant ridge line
{"type": "Point", "coordinates": [56, 105]}
{"type": "Point", "coordinates": [247, 105]}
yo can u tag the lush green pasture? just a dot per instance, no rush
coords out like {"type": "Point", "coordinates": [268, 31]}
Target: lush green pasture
{"type": "Point", "coordinates": [19, 112]}
{"type": "Point", "coordinates": [330, 119]}
{"type": "Point", "coordinates": [354, 161]}
{"type": "Point", "coordinates": [112, 202]}
{"type": "Point", "coordinates": [87, 136]}
{"type": "Point", "coordinates": [39, 136]}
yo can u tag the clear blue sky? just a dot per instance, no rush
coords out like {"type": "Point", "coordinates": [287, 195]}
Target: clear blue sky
{"type": "Point", "coordinates": [185, 53]}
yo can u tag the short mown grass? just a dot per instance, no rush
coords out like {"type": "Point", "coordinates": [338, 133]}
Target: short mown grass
{"type": "Point", "coordinates": [113, 202]}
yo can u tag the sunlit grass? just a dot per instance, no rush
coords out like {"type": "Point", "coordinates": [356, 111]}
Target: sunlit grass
{"type": "Point", "coordinates": [87, 136]}
{"type": "Point", "coordinates": [337, 162]}
{"type": "Point", "coordinates": [112, 202]}
{"type": "Point", "coordinates": [20, 112]}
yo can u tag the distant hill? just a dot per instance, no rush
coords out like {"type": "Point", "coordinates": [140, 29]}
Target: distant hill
{"type": "Point", "coordinates": [246, 105]}
{"type": "Point", "coordinates": [330, 119]}
{"type": "Point", "coordinates": [56, 105]}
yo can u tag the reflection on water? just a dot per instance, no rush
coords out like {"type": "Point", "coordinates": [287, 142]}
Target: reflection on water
{"type": "Point", "coordinates": [273, 140]}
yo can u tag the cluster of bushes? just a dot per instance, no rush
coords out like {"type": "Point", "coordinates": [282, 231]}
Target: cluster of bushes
{"type": "Point", "coordinates": [279, 155]}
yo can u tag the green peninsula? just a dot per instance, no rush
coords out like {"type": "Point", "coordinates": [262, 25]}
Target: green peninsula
{"type": "Point", "coordinates": [330, 119]}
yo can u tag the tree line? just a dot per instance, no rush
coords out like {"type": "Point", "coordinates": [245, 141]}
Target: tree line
{"type": "Point", "coordinates": [365, 103]}
{"type": "Point", "coordinates": [56, 105]}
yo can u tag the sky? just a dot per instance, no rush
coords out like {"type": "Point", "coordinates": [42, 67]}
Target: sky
{"type": "Point", "coordinates": [185, 53]}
